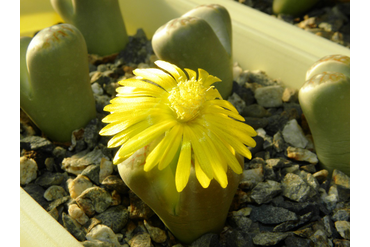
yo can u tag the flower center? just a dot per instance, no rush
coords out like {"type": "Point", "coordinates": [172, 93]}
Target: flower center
{"type": "Point", "coordinates": [187, 99]}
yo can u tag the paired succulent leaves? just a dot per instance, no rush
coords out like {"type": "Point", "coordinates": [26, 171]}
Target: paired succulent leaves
{"type": "Point", "coordinates": [325, 102]}
{"type": "Point", "coordinates": [201, 38]}
{"type": "Point", "coordinates": [100, 22]}
{"type": "Point", "coordinates": [55, 89]}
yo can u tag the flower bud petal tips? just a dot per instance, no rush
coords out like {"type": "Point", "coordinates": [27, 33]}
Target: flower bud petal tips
{"type": "Point", "coordinates": [100, 22]}
{"type": "Point", "coordinates": [325, 102]}
{"type": "Point", "coordinates": [55, 83]}
{"type": "Point", "coordinates": [187, 114]}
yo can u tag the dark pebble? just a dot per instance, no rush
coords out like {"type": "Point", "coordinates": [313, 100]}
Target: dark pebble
{"type": "Point", "coordinates": [37, 143]}
{"type": "Point", "coordinates": [114, 217]}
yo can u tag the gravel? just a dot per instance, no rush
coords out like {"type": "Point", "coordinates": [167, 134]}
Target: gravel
{"type": "Point", "coordinates": [329, 19]}
{"type": "Point", "coordinates": [284, 198]}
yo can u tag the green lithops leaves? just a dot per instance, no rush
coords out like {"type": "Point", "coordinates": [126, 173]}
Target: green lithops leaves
{"type": "Point", "coordinates": [292, 7]}
{"type": "Point", "coordinates": [54, 81]}
{"type": "Point", "coordinates": [219, 19]}
{"type": "Point", "coordinates": [336, 63]}
{"type": "Point", "coordinates": [201, 38]}
{"type": "Point", "coordinates": [100, 22]}
{"type": "Point", "coordinates": [325, 102]}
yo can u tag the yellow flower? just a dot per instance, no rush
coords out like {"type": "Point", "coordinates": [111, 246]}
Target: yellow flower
{"type": "Point", "coordinates": [194, 124]}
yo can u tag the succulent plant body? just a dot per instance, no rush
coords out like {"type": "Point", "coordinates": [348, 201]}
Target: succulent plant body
{"type": "Point", "coordinates": [201, 38]}
{"type": "Point", "coordinates": [325, 102]}
{"type": "Point", "coordinates": [100, 22]}
{"type": "Point", "coordinates": [181, 146]}
{"type": "Point", "coordinates": [292, 7]}
{"type": "Point", "coordinates": [55, 89]}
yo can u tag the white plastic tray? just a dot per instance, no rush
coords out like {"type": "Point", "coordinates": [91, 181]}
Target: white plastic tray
{"type": "Point", "coordinates": [260, 42]}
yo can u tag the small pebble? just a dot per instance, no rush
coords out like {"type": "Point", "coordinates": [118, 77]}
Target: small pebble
{"type": "Point", "coordinates": [321, 175]}
{"type": "Point", "coordinates": [94, 200]}
{"type": "Point", "coordinates": [156, 234]}
{"type": "Point", "coordinates": [103, 233]}
{"type": "Point", "coordinates": [295, 188]}
{"type": "Point", "coordinates": [73, 227]}
{"type": "Point", "coordinates": [264, 192]}
{"type": "Point", "coordinates": [78, 162]}
{"type": "Point", "coordinates": [37, 143]}
{"type": "Point", "coordinates": [97, 89]}
{"type": "Point", "coordinates": [302, 154]}
{"type": "Point", "coordinates": [293, 134]}
{"type": "Point", "coordinates": [106, 169]}
{"type": "Point", "coordinates": [236, 101]}
{"type": "Point", "coordinates": [267, 214]}
{"type": "Point", "coordinates": [138, 209]}
{"type": "Point", "coordinates": [141, 240]}
{"type": "Point", "coordinates": [28, 170]}
{"type": "Point", "coordinates": [251, 178]}
{"type": "Point", "coordinates": [269, 238]}
{"type": "Point", "coordinates": [54, 192]}
{"type": "Point", "coordinates": [290, 95]}
{"type": "Point", "coordinates": [78, 214]}
{"type": "Point", "coordinates": [343, 228]}
{"type": "Point", "coordinates": [270, 96]}
{"type": "Point", "coordinates": [115, 217]}
{"type": "Point", "coordinates": [79, 185]}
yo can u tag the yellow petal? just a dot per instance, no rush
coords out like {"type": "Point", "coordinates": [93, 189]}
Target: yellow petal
{"type": "Point", "coordinates": [172, 147]}
{"type": "Point", "coordinates": [175, 71]}
{"type": "Point", "coordinates": [215, 109]}
{"type": "Point", "coordinates": [136, 100]}
{"type": "Point", "coordinates": [198, 148]}
{"type": "Point", "coordinates": [214, 160]}
{"type": "Point", "coordinates": [128, 133]}
{"type": "Point", "coordinates": [212, 94]}
{"type": "Point", "coordinates": [114, 128]}
{"type": "Point", "coordinates": [232, 126]}
{"type": "Point", "coordinates": [183, 165]}
{"type": "Point", "coordinates": [130, 92]}
{"type": "Point", "coordinates": [191, 73]}
{"type": "Point", "coordinates": [130, 115]}
{"type": "Point", "coordinates": [223, 103]}
{"type": "Point", "coordinates": [201, 176]}
{"type": "Point", "coordinates": [142, 84]}
{"type": "Point", "coordinates": [163, 148]}
{"type": "Point", "coordinates": [202, 75]}
{"type": "Point", "coordinates": [210, 80]}
{"type": "Point", "coordinates": [232, 140]}
{"type": "Point", "coordinates": [225, 152]}
{"type": "Point", "coordinates": [143, 138]}
{"type": "Point", "coordinates": [157, 76]}
{"type": "Point", "coordinates": [130, 107]}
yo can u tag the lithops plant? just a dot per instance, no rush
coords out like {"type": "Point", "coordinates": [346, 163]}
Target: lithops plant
{"type": "Point", "coordinates": [55, 89]}
{"type": "Point", "coordinates": [292, 7]}
{"type": "Point", "coordinates": [201, 38]}
{"type": "Point", "coordinates": [325, 102]}
{"type": "Point", "coordinates": [100, 22]}
{"type": "Point", "coordinates": [181, 146]}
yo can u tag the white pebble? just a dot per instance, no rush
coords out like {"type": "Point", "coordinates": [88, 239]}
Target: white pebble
{"type": "Point", "coordinates": [302, 154]}
{"type": "Point", "coordinates": [97, 89]}
{"type": "Point", "coordinates": [78, 214]}
{"type": "Point", "coordinates": [28, 170]}
{"type": "Point", "coordinates": [103, 233]}
{"type": "Point", "coordinates": [79, 185]}
{"type": "Point", "coordinates": [106, 169]}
